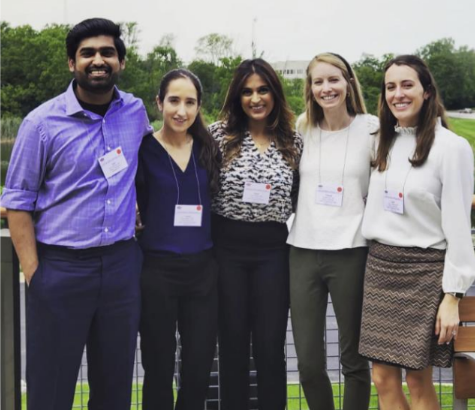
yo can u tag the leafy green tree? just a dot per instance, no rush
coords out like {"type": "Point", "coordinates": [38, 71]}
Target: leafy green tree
{"type": "Point", "coordinates": [158, 62]}
{"type": "Point", "coordinates": [142, 76]}
{"type": "Point", "coordinates": [453, 70]}
{"type": "Point", "coordinates": [167, 40]}
{"type": "Point", "coordinates": [293, 90]}
{"type": "Point", "coordinates": [214, 47]}
{"type": "Point", "coordinates": [34, 69]}
{"type": "Point", "coordinates": [215, 80]}
{"type": "Point", "coordinates": [34, 66]}
{"type": "Point", "coordinates": [369, 70]}
{"type": "Point", "coordinates": [135, 79]}
{"type": "Point", "coordinates": [130, 34]}
{"type": "Point", "coordinates": [439, 56]}
{"type": "Point", "coordinates": [465, 59]}
{"type": "Point", "coordinates": [53, 73]}
{"type": "Point", "coordinates": [224, 75]}
{"type": "Point", "coordinates": [206, 72]}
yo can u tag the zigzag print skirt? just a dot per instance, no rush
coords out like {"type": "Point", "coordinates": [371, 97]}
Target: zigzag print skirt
{"type": "Point", "coordinates": [402, 292]}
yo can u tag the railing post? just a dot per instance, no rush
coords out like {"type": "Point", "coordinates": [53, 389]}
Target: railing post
{"type": "Point", "coordinates": [10, 386]}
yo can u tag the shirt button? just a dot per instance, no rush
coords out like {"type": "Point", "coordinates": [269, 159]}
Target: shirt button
{"type": "Point", "coordinates": [108, 148]}
{"type": "Point", "coordinates": [104, 121]}
{"type": "Point", "coordinates": [106, 230]}
{"type": "Point", "coordinates": [108, 202]}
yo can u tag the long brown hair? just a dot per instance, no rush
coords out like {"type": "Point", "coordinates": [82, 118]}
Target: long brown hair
{"type": "Point", "coordinates": [354, 101]}
{"type": "Point", "coordinates": [431, 109]}
{"type": "Point", "coordinates": [279, 121]}
{"type": "Point", "coordinates": [209, 155]}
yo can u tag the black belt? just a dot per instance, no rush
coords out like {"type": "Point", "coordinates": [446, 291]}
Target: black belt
{"type": "Point", "coordinates": [47, 249]}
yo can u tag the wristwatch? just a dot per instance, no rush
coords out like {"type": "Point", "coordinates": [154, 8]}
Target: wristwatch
{"type": "Point", "coordinates": [455, 294]}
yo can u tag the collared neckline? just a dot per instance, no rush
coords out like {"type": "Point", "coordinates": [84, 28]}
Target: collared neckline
{"type": "Point", "coordinates": [72, 104]}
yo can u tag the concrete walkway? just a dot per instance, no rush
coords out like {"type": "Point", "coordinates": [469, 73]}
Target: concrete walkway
{"type": "Point", "coordinates": [456, 114]}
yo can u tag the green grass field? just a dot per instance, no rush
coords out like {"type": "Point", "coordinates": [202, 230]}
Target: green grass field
{"type": "Point", "coordinates": [295, 397]}
{"type": "Point", "coordinates": [465, 128]}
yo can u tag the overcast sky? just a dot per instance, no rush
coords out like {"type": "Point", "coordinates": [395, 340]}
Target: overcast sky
{"type": "Point", "coordinates": [284, 30]}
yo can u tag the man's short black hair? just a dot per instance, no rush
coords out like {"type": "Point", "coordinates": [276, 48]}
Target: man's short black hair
{"type": "Point", "coordinates": [92, 28]}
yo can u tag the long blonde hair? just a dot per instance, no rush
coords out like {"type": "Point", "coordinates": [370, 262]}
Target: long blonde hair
{"type": "Point", "coordinates": [354, 101]}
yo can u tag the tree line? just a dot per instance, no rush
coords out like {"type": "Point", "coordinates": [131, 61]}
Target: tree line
{"type": "Point", "coordinates": [34, 70]}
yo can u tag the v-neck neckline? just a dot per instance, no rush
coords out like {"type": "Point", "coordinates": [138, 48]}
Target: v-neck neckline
{"type": "Point", "coordinates": [183, 171]}
{"type": "Point", "coordinates": [256, 148]}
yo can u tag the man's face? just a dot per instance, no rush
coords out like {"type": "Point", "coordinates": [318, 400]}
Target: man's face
{"type": "Point", "coordinates": [96, 67]}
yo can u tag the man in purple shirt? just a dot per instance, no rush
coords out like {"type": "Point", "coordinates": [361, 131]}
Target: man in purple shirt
{"type": "Point", "coordinates": [71, 208]}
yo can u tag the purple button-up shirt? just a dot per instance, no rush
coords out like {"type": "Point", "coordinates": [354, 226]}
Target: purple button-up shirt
{"type": "Point", "coordinates": [54, 170]}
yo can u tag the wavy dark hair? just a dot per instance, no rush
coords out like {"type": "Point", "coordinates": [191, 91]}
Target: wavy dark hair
{"type": "Point", "coordinates": [354, 100]}
{"type": "Point", "coordinates": [279, 121]}
{"type": "Point", "coordinates": [209, 154]}
{"type": "Point", "coordinates": [431, 109]}
{"type": "Point", "coordinates": [92, 28]}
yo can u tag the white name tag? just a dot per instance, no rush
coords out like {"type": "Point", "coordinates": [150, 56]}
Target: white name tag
{"type": "Point", "coordinates": [113, 162]}
{"type": "Point", "coordinates": [256, 193]}
{"type": "Point", "coordinates": [329, 195]}
{"type": "Point", "coordinates": [188, 215]}
{"type": "Point", "coordinates": [393, 201]}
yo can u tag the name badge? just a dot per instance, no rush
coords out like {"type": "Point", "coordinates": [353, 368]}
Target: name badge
{"type": "Point", "coordinates": [329, 195]}
{"type": "Point", "coordinates": [256, 193]}
{"type": "Point", "coordinates": [393, 201]}
{"type": "Point", "coordinates": [113, 162]}
{"type": "Point", "coordinates": [188, 215]}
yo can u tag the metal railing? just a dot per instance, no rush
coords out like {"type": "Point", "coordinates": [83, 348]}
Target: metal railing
{"type": "Point", "coordinates": [13, 349]}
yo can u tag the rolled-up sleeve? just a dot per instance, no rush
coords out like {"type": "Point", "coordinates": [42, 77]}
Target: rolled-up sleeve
{"type": "Point", "coordinates": [147, 127]}
{"type": "Point", "coordinates": [27, 167]}
{"type": "Point", "coordinates": [456, 200]}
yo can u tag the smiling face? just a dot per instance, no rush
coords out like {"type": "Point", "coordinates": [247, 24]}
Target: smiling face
{"type": "Point", "coordinates": [404, 94]}
{"type": "Point", "coordinates": [96, 68]}
{"type": "Point", "coordinates": [179, 106]}
{"type": "Point", "coordinates": [257, 100]}
{"type": "Point", "coordinates": [329, 87]}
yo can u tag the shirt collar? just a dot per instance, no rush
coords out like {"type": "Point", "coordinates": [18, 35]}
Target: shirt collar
{"type": "Point", "coordinates": [72, 104]}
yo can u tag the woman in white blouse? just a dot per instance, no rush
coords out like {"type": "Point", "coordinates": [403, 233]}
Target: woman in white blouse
{"type": "Point", "coordinates": [328, 252]}
{"type": "Point", "coordinates": [421, 261]}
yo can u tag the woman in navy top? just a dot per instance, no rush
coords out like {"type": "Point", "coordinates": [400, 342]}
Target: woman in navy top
{"type": "Point", "coordinates": [178, 171]}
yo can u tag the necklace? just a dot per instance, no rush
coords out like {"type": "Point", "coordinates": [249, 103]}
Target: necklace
{"type": "Point", "coordinates": [262, 144]}
{"type": "Point", "coordinates": [159, 136]}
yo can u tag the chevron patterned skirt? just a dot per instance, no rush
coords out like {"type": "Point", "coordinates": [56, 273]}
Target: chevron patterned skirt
{"type": "Point", "coordinates": [402, 292]}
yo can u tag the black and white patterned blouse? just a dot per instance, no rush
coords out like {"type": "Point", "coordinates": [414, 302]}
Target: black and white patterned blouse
{"type": "Point", "coordinates": [252, 166]}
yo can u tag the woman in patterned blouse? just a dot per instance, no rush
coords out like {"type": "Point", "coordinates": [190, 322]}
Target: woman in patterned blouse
{"type": "Point", "coordinates": [261, 153]}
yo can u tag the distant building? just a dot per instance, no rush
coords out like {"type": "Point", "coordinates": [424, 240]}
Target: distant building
{"type": "Point", "coordinates": [291, 69]}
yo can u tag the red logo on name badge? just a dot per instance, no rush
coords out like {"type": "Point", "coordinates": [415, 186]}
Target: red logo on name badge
{"type": "Point", "coordinates": [267, 186]}
{"type": "Point", "coordinates": [339, 189]}
{"type": "Point", "coordinates": [198, 207]}
{"type": "Point", "coordinates": [118, 151]}
{"type": "Point", "coordinates": [400, 195]}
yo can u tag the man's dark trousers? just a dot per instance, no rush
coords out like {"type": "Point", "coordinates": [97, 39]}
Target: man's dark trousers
{"type": "Point", "coordinates": [88, 297]}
